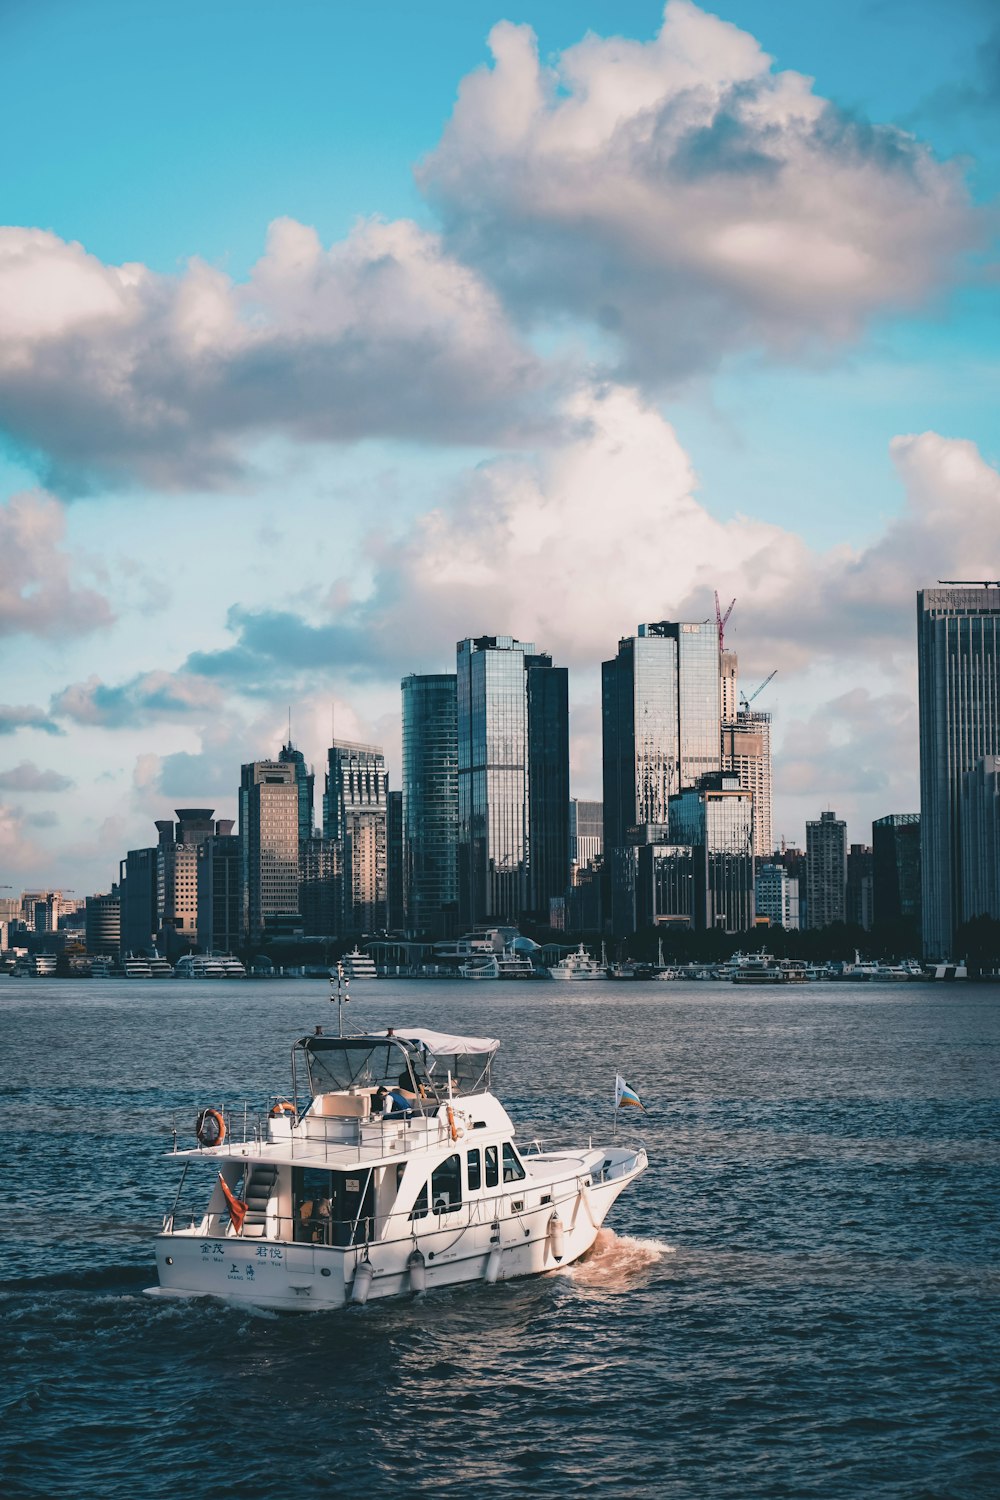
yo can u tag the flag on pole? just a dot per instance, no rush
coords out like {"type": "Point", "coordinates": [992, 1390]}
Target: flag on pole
{"type": "Point", "coordinates": [237, 1208]}
{"type": "Point", "coordinates": [626, 1097]}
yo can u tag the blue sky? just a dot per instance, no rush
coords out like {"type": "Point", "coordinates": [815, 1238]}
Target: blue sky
{"type": "Point", "coordinates": [338, 313]}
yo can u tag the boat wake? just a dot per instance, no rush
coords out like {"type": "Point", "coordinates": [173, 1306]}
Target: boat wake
{"type": "Point", "coordinates": [618, 1262]}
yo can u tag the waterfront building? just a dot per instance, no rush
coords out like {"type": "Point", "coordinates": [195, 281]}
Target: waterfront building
{"type": "Point", "coordinates": [394, 861]}
{"type": "Point", "coordinates": [305, 781]}
{"type": "Point", "coordinates": [219, 865]}
{"type": "Point", "coordinates": [980, 828]}
{"type": "Point", "coordinates": [513, 780]}
{"type": "Point", "coordinates": [665, 886]}
{"type": "Point", "coordinates": [138, 885]}
{"type": "Point", "coordinates": [269, 843]}
{"type": "Point", "coordinates": [321, 894]}
{"type": "Point", "coordinates": [958, 657]}
{"type": "Point", "coordinates": [586, 831]}
{"type": "Point", "coordinates": [826, 871]}
{"type": "Point", "coordinates": [746, 750]}
{"type": "Point", "coordinates": [177, 874]}
{"type": "Point", "coordinates": [354, 803]}
{"type": "Point", "coordinates": [716, 819]}
{"type": "Point", "coordinates": [103, 924]}
{"type": "Point", "coordinates": [776, 896]}
{"type": "Point", "coordinates": [430, 803]}
{"type": "Point", "coordinates": [661, 704]}
{"type": "Point", "coordinates": [896, 868]}
{"type": "Point", "coordinates": [858, 902]}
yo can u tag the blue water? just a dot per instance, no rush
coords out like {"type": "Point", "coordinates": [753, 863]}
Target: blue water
{"type": "Point", "coordinates": [799, 1299]}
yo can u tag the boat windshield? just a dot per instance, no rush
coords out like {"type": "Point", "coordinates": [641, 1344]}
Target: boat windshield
{"type": "Point", "coordinates": [336, 1063]}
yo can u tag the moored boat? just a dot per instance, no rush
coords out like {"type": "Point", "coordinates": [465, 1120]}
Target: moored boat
{"type": "Point", "coordinates": [339, 1200]}
{"type": "Point", "coordinates": [578, 965]}
{"type": "Point", "coordinates": [358, 965]}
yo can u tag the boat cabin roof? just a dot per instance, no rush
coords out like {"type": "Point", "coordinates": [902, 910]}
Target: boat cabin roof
{"type": "Point", "coordinates": [430, 1058]}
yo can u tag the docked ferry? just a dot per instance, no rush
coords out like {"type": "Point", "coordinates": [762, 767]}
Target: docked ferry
{"type": "Point", "coordinates": [392, 1168]}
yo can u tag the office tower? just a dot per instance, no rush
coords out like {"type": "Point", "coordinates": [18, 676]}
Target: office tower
{"type": "Point", "coordinates": [661, 712]}
{"type": "Point", "coordinates": [137, 884]}
{"type": "Point", "coordinates": [716, 819]}
{"type": "Point", "coordinates": [355, 814]}
{"type": "Point", "coordinates": [826, 871]}
{"type": "Point", "coordinates": [586, 831]}
{"type": "Point", "coordinates": [858, 900]}
{"type": "Point", "coordinates": [305, 781]}
{"type": "Point", "coordinates": [103, 924]}
{"type": "Point", "coordinates": [746, 750]}
{"type": "Point", "coordinates": [980, 827]}
{"type": "Point", "coordinates": [220, 890]}
{"type": "Point", "coordinates": [958, 658]}
{"type": "Point", "coordinates": [177, 874]}
{"type": "Point", "coordinates": [896, 869]}
{"type": "Point", "coordinates": [776, 896]}
{"type": "Point", "coordinates": [321, 893]}
{"type": "Point", "coordinates": [513, 780]}
{"type": "Point", "coordinates": [430, 803]}
{"type": "Point", "coordinates": [269, 845]}
{"type": "Point", "coordinates": [664, 876]}
{"type": "Point", "coordinates": [394, 861]}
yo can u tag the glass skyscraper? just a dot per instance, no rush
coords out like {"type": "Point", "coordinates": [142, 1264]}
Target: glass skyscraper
{"type": "Point", "coordinates": [958, 655]}
{"type": "Point", "coordinates": [716, 820]}
{"type": "Point", "coordinates": [305, 781]}
{"type": "Point", "coordinates": [513, 779]}
{"type": "Point", "coordinates": [430, 802]}
{"type": "Point", "coordinates": [354, 809]}
{"type": "Point", "coordinates": [661, 710]}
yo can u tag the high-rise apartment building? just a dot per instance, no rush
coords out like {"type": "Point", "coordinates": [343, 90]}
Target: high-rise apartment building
{"type": "Point", "coordinates": [355, 814]}
{"type": "Point", "coordinates": [430, 802]}
{"type": "Point", "coordinates": [776, 896]}
{"type": "Point", "coordinates": [269, 841]}
{"type": "Point", "coordinates": [896, 868]}
{"type": "Point", "coordinates": [826, 871]}
{"type": "Point", "coordinates": [661, 712]}
{"type": "Point", "coordinates": [958, 657]}
{"type": "Point", "coordinates": [513, 780]}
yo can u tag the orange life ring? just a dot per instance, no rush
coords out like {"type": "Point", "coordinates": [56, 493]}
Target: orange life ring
{"type": "Point", "coordinates": [283, 1108]}
{"type": "Point", "coordinates": [455, 1132]}
{"type": "Point", "coordinates": [210, 1128]}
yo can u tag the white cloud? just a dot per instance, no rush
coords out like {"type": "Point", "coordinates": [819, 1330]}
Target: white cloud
{"type": "Point", "coordinates": [38, 591]}
{"type": "Point", "coordinates": [687, 198]}
{"type": "Point", "coordinates": [115, 371]}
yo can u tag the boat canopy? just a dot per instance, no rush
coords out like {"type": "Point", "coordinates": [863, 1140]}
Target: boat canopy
{"type": "Point", "coordinates": [429, 1057]}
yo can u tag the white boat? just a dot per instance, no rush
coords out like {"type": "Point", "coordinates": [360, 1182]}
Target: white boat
{"type": "Point", "coordinates": [509, 963]}
{"type": "Point", "coordinates": [200, 966]}
{"type": "Point", "coordinates": [358, 965]}
{"type": "Point", "coordinates": [136, 968]}
{"type": "Point", "coordinates": [578, 965]}
{"type": "Point", "coordinates": [231, 967]}
{"type": "Point", "coordinates": [333, 1202]}
{"type": "Point", "coordinates": [160, 968]}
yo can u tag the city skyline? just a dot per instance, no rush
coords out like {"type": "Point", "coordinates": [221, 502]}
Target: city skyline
{"type": "Point", "coordinates": [294, 395]}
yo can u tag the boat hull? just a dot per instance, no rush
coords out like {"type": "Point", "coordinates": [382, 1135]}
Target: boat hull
{"type": "Point", "coordinates": [299, 1277]}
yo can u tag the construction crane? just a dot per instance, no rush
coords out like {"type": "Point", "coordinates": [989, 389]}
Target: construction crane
{"type": "Point", "coordinates": [720, 620]}
{"type": "Point", "coordinates": [747, 701]}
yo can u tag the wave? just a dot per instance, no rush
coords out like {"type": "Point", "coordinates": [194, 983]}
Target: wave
{"type": "Point", "coordinates": [617, 1262]}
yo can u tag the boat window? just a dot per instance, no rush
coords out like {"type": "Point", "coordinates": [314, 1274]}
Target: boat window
{"type": "Point", "coordinates": [419, 1209]}
{"type": "Point", "coordinates": [474, 1164]}
{"type": "Point", "coordinates": [492, 1166]}
{"type": "Point", "coordinates": [446, 1185]}
{"type": "Point", "coordinates": [512, 1169]}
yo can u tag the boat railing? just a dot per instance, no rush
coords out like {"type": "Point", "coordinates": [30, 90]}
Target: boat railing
{"type": "Point", "coordinates": [329, 1137]}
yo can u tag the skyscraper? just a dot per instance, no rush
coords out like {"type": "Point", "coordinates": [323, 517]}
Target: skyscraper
{"type": "Point", "coordinates": [826, 871]}
{"type": "Point", "coordinates": [269, 842]}
{"type": "Point", "coordinates": [305, 781]}
{"type": "Point", "coordinates": [220, 891]}
{"type": "Point", "coordinates": [661, 711]}
{"type": "Point", "coordinates": [177, 874]}
{"type": "Point", "coordinates": [980, 821]}
{"type": "Point", "coordinates": [896, 868]}
{"type": "Point", "coordinates": [958, 656]}
{"type": "Point", "coordinates": [715, 819]}
{"type": "Point", "coordinates": [430, 802]}
{"type": "Point", "coordinates": [354, 806]}
{"type": "Point", "coordinates": [513, 780]}
{"type": "Point", "coordinates": [586, 831]}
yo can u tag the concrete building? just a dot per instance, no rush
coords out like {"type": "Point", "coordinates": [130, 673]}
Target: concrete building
{"type": "Point", "coordinates": [103, 924]}
{"type": "Point", "coordinates": [958, 657]}
{"type": "Point", "coordinates": [586, 831]}
{"type": "Point", "coordinates": [826, 871]}
{"type": "Point", "coordinates": [269, 845]}
{"type": "Point", "coordinates": [430, 803]}
{"type": "Point", "coordinates": [177, 874]}
{"type": "Point", "coordinates": [354, 807]}
{"type": "Point", "coordinates": [513, 780]}
{"type": "Point", "coordinates": [746, 750]}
